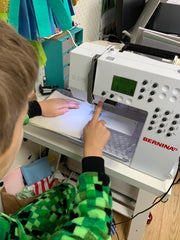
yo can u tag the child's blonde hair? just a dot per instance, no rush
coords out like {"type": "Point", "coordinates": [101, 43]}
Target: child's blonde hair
{"type": "Point", "coordinates": [18, 72]}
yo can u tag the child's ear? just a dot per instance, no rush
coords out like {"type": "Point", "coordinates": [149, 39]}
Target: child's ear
{"type": "Point", "coordinates": [32, 96]}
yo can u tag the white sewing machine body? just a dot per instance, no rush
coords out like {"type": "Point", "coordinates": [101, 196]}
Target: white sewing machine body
{"type": "Point", "coordinates": [146, 93]}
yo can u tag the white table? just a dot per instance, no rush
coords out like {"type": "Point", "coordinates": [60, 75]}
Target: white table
{"type": "Point", "coordinates": [148, 187]}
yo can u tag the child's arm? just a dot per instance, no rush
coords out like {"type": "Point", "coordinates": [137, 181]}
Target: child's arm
{"type": "Point", "coordinates": [91, 216]}
{"type": "Point", "coordinates": [10, 228]}
{"type": "Point", "coordinates": [51, 107]}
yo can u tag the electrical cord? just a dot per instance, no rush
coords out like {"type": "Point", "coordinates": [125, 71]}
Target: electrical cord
{"type": "Point", "coordinates": [114, 229]}
{"type": "Point", "coordinates": [117, 235]}
{"type": "Point", "coordinates": [177, 182]}
{"type": "Point", "coordinates": [155, 203]}
{"type": "Point", "coordinates": [72, 38]}
{"type": "Point", "coordinates": [163, 201]}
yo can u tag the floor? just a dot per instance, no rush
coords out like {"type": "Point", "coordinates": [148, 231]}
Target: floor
{"type": "Point", "coordinates": [165, 224]}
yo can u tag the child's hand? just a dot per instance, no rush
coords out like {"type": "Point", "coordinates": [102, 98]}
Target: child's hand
{"type": "Point", "coordinates": [96, 135]}
{"type": "Point", "coordinates": [57, 106]}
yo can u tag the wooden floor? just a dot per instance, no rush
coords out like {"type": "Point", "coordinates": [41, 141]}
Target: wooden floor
{"type": "Point", "coordinates": [165, 224]}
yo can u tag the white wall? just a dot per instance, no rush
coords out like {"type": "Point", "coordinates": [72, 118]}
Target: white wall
{"type": "Point", "coordinates": [88, 17]}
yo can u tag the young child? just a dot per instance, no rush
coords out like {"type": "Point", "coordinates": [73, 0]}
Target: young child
{"type": "Point", "coordinates": [62, 212]}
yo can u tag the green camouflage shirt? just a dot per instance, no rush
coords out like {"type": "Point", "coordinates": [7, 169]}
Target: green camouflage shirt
{"type": "Point", "coordinates": [62, 213]}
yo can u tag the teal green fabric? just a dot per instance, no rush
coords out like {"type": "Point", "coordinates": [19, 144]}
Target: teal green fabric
{"type": "Point", "coordinates": [62, 13]}
{"type": "Point", "coordinates": [13, 18]}
{"type": "Point", "coordinates": [67, 9]}
{"type": "Point", "coordinates": [42, 18]}
{"type": "Point", "coordinates": [63, 214]}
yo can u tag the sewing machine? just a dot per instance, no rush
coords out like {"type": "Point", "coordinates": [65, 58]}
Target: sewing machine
{"type": "Point", "coordinates": [144, 93]}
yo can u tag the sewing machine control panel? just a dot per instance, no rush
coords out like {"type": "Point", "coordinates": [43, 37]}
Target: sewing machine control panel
{"type": "Point", "coordinates": [155, 89]}
{"type": "Point", "coordinates": [164, 122]}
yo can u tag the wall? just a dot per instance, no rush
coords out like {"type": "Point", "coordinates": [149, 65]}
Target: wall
{"type": "Point", "coordinates": [88, 16]}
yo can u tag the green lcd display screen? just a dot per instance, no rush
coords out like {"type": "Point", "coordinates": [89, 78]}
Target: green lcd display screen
{"type": "Point", "coordinates": [123, 85]}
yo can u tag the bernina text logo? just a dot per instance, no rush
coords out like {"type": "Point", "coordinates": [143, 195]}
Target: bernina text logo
{"type": "Point", "coordinates": [159, 144]}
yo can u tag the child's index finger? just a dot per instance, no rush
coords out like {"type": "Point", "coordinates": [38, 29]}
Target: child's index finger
{"type": "Point", "coordinates": [97, 112]}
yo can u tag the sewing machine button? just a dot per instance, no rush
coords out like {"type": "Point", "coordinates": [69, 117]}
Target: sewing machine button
{"type": "Point", "coordinates": [174, 122]}
{"type": "Point", "coordinates": [142, 89]}
{"type": "Point", "coordinates": [152, 92]}
{"type": "Point", "coordinates": [119, 99]}
{"type": "Point", "coordinates": [162, 95]}
{"type": "Point", "coordinates": [150, 128]}
{"type": "Point", "coordinates": [154, 116]}
{"type": "Point", "coordinates": [150, 100]}
{"type": "Point", "coordinates": [172, 99]}
{"type": "Point", "coordinates": [159, 131]}
{"type": "Point", "coordinates": [154, 85]}
{"type": "Point", "coordinates": [152, 122]}
{"type": "Point", "coordinates": [176, 91]}
{"type": "Point", "coordinates": [111, 95]}
{"type": "Point", "coordinates": [164, 119]}
{"type": "Point", "coordinates": [168, 134]}
{"type": "Point", "coordinates": [161, 125]}
{"type": "Point", "coordinates": [157, 109]}
{"type": "Point", "coordinates": [167, 113]}
{"type": "Point", "coordinates": [129, 101]}
{"type": "Point", "coordinates": [177, 116]}
{"type": "Point", "coordinates": [165, 88]}
{"type": "Point", "coordinates": [171, 129]}
{"type": "Point", "coordinates": [103, 93]}
{"type": "Point", "coordinates": [145, 82]}
{"type": "Point", "coordinates": [140, 97]}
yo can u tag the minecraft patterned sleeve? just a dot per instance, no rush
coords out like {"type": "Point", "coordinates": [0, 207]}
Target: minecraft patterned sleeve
{"type": "Point", "coordinates": [91, 216]}
{"type": "Point", "coordinates": [61, 213]}
{"type": "Point", "coordinates": [10, 228]}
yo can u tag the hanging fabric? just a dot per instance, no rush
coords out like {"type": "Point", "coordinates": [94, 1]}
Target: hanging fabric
{"type": "Point", "coordinates": [4, 16]}
{"type": "Point", "coordinates": [71, 7]}
{"type": "Point", "coordinates": [61, 10]}
{"type": "Point", "coordinates": [4, 8]}
{"type": "Point", "coordinates": [40, 52]}
{"type": "Point", "coordinates": [33, 18]}
{"type": "Point", "coordinates": [42, 17]}
{"type": "Point", "coordinates": [13, 19]}
{"type": "Point", "coordinates": [24, 25]}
